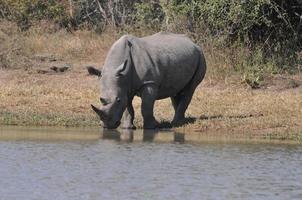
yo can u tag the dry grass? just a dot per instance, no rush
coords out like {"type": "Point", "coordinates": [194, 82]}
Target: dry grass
{"type": "Point", "coordinates": [18, 49]}
{"type": "Point", "coordinates": [80, 46]}
{"type": "Point", "coordinates": [64, 100]}
{"type": "Point", "coordinates": [28, 97]}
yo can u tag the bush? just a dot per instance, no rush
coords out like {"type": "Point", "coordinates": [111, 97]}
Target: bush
{"type": "Point", "coordinates": [24, 12]}
{"type": "Point", "coordinates": [270, 29]}
{"type": "Point", "coordinates": [255, 20]}
{"type": "Point", "coordinates": [98, 14]}
{"type": "Point", "coordinates": [269, 32]}
{"type": "Point", "coordinates": [148, 15]}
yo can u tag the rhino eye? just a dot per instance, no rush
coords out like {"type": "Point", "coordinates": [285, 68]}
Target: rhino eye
{"type": "Point", "coordinates": [118, 99]}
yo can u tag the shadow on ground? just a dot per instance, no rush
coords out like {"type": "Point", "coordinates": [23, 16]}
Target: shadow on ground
{"type": "Point", "coordinates": [191, 120]}
{"type": "Point", "coordinates": [187, 120]}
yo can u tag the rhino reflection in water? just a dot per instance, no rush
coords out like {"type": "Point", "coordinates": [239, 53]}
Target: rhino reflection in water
{"type": "Point", "coordinates": [146, 135]}
{"type": "Point", "coordinates": [154, 67]}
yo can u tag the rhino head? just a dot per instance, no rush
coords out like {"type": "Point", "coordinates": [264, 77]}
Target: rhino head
{"type": "Point", "coordinates": [114, 95]}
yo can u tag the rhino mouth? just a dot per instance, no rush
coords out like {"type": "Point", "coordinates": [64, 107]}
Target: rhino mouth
{"type": "Point", "coordinates": [107, 122]}
{"type": "Point", "coordinates": [113, 126]}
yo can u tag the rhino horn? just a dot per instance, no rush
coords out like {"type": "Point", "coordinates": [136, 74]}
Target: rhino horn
{"type": "Point", "coordinates": [100, 113]}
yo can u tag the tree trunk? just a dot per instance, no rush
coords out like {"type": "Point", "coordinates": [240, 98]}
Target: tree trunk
{"type": "Point", "coordinates": [70, 9]}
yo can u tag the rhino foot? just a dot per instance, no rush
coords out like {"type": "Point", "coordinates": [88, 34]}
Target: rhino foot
{"type": "Point", "coordinates": [178, 122]}
{"type": "Point", "coordinates": [128, 127]}
{"type": "Point", "coordinates": [153, 124]}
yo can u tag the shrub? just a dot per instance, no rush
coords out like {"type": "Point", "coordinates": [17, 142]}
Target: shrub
{"type": "Point", "coordinates": [148, 15]}
{"type": "Point", "coordinates": [270, 29]}
{"type": "Point", "coordinates": [24, 12]}
{"type": "Point", "coordinates": [256, 36]}
{"type": "Point", "coordinates": [97, 14]}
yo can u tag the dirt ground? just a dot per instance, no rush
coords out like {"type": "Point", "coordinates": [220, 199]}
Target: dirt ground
{"type": "Point", "coordinates": [46, 96]}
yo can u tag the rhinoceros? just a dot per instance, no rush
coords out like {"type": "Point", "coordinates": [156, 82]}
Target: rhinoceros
{"type": "Point", "coordinates": [154, 67]}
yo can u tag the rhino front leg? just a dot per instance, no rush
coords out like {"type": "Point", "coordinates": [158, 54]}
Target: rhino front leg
{"type": "Point", "coordinates": [148, 95]}
{"type": "Point", "coordinates": [128, 116]}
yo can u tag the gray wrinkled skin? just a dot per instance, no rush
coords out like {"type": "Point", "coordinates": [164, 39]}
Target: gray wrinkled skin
{"type": "Point", "coordinates": [154, 67]}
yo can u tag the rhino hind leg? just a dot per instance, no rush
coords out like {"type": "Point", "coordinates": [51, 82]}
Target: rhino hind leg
{"type": "Point", "coordinates": [175, 102]}
{"type": "Point", "coordinates": [179, 115]}
{"type": "Point", "coordinates": [182, 100]}
{"type": "Point", "coordinates": [180, 107]}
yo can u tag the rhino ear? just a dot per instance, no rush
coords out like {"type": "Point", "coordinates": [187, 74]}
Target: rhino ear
{"type": "Point", "coordinates": [129, 43]}
{"type": "Point", "coordinates": [122, 69]}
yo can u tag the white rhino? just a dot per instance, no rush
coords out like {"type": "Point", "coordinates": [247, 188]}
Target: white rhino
{"type": "Point", "coordinates": [154, 67]}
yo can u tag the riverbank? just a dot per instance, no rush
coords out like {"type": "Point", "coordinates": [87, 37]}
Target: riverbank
{"type": "Point", "coordinates": [63, 99]}
{"type": "Point", "coordinates": [44, 82]}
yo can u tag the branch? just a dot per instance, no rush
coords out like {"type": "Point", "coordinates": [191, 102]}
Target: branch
{"type": "Point", "coordinates": [102, 10]}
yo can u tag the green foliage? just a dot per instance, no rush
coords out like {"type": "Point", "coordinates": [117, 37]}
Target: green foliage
{"type": "Point", "coordinates": [255, 20]}
{"type": "Point", "coordinates": [149, 15]}
{"type": "Point", "coordinates": [270, 30]}
{"type": "Point", "coordinates": [24, 12]}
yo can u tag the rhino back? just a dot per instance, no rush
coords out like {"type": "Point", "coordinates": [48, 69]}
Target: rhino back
{"type": "Point", "coordinates": [170, 60]}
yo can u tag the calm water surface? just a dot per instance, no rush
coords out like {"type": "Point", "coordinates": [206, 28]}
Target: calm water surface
{"type": "Point", "coordinates": [88, 164]}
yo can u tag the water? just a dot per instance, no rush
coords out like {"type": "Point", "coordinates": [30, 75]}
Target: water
{"type": "Point", "coordinates": [87, 164]}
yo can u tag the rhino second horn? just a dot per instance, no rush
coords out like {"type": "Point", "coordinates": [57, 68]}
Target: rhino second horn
{"type": "Point", "coordinates": [99, 112]}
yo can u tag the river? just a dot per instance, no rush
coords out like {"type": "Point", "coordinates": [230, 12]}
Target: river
{"type": "Point", "coordinates": [89, 164]}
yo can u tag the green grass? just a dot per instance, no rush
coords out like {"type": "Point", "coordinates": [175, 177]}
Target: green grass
{"type": "Point", "coordinates": [37, 119]}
